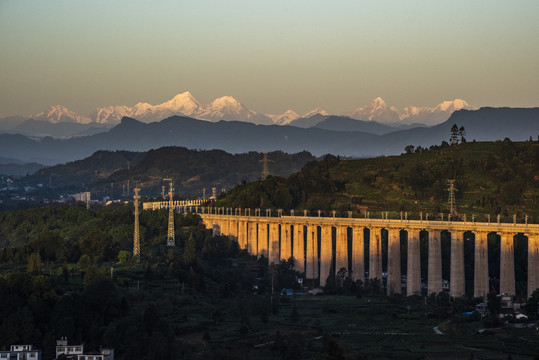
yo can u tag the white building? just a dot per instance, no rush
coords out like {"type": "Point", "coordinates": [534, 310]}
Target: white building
{"type": "Point", "coordinates": [76, 352]}
{"type": "Point", "coordinates": [20, 352]}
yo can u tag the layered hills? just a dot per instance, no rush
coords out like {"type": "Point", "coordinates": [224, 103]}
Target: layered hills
{"type": "Point", "coordinates": [192, 171]}
{"type": "Point", "coordinates": [363, 139]}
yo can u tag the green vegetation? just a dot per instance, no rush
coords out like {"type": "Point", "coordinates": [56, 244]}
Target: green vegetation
{"type": "Point", "coordinates": [192, 170]}
{"type": "Point", "coordinates": [68, 271]}
{"type": "Point", "coordinates": [491, 177]}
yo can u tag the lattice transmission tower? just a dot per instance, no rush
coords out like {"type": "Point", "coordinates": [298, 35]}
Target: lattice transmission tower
{"type": "Point", "coordinates": [136, 236]}
{"type": "Point", "coordinates": [265, 166]}
{"type": "Point", "coordinates": [170, 236]}
{"type": "Point", "coordinates": [452, 202]}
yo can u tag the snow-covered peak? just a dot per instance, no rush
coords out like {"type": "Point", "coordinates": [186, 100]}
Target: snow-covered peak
{"type": "Point", "coordinates": [454, 105]}
{"type": "Point", "coordinates": [59, 113]}
{"type": "Point", "coordinates": [225, 101]}
{"type": "Point", "coordinates": [184, 103]}
{"type": "Point", "coordinates": [378, 103]}
{"type": "Point", "coordinates": [380, 112]}
{"type": "Point", "coordinates": [285, 118]}
{"type": "Point", "coordinates": [142, 107]}
{"type": "Point", "coordinates": [314, 112]}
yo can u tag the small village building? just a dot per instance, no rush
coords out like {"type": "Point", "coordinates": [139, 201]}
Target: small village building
{"type": "Point", "coordinates": [76, 352]}
{"type": "Point", "coordinates": [21, 352]}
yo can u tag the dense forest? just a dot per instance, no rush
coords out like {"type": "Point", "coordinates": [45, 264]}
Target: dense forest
{"type": "Point", "coordinates": [68, 271]}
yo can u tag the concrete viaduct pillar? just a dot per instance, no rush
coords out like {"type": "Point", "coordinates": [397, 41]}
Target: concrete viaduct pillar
{"type": "Point", "coordinates": [507, 264]}
{"type": "Point", "coordinates": [224, 227]}
{"type": "Point", "coordinates": [286, 241]}
{"type": "Point", "coordinates": [413, 283]}
{"type": "Point", "coordinates": [375, 254]}
{"type": "Point", "coordinates": [457, 264]}
{"type": "Point", "coordinates": [358, 254]}
{"type": "Point", "coordinates": [393, 261]}
{"type": "Point", "coordinates": [299, 248]}
{"type": "Point", "coordinates": [273, 244]}
{"type": "Point", "coordinates": [481, 264]}
{"type": "Point", "coordinates": [533, 263]}
{"type": "Point", "coordinates": [252, 238]}
{"type": "Point", "coordinates": [311, 270]}
{"type": "Point", "coordinates": [233, 230]}
{"type": "Point", "coordinates": [326, 252]}
{"type": "Point", "coordinates": [262, 239]}
{"type": "Point", "coordinates": [341, 248]}
{"type": "Point", "coordinates": [242, 234]}
{"type": "Point", "coordinates": [274, 238]}
{"type": "Point", "coordinates": [435, 263]}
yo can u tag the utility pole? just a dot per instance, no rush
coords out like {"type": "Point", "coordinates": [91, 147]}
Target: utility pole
{"type": "Point", "coordinates": [136, 237]}
{"type": "Point", "coordinates": [170, 236]}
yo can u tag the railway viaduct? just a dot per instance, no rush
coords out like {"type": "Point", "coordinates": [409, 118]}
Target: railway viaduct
{"type": "Point", "coordinates": [281, 237]}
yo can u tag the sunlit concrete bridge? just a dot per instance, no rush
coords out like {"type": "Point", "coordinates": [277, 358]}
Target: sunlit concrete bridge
{"type": "Point", "coordinates": [178, 205]}
{"type": "Point", "coordinates": [316, 242]}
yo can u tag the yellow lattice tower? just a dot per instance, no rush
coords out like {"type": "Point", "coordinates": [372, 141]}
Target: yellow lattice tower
{"type": "Point", "coordinates": [170, 236]}
{"type": "Point", "coordinates": [136, 237]}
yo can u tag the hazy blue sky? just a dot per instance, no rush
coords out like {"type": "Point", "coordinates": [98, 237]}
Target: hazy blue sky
{"type": "Point", "coordinates": [270, 55]}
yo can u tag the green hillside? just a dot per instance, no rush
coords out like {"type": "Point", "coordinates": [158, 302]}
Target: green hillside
{"type": "Point", "coordinates": [192, 170]}
{"type": "Point", "coordinates": [491, 177]}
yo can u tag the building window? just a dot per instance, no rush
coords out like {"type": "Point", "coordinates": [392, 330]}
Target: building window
{"type": "Point", "coordinates": [3, 356]}
{"type": "Point", "coordinates": [78, 348]}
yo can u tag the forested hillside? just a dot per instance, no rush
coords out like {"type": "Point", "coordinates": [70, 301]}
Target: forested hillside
{"type": "Point", "coordinates": [192, 170]}
{"type": "Point", "coordinates": [491, 178]}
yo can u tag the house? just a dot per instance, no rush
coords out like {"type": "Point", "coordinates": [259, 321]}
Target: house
{"type": "Point", "coordinates": [20, 352]}
{"type": "Point", "coordinates": [76, 352]}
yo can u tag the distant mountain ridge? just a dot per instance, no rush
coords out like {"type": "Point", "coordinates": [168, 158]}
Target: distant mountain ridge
{"type": "Point", "coordinates": [229, 109]}
{"type": "Point", "coordinates": [485, 124]}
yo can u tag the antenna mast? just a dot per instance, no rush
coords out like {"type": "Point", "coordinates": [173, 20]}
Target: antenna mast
{"type": "Point", "coordinates": [170, 237]}
{"type": "Point", "coordinates": [136, 237]}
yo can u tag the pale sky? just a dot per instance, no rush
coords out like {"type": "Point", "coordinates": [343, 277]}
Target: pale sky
{"type": "Point", "coordinates": [270, 55]}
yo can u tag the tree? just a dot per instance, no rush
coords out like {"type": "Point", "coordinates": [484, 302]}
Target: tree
{"type": "Point", "coordinates": [124, 256]}
{"type": "Point", "coordinates": [189, 254]}
{"type": "Point", "coordinates": [462, 133]}
{"type": "Point", "coordinates": [34, 263]}
{"type": "Point", "coordinates": [454, 139]}
{"type": "Point", "coordinates": [409, 149]}
{"type": "Point", "coordinates": [84, 262]}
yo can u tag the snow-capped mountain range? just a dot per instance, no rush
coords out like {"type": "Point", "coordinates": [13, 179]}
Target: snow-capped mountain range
{"type": "Point", "coordinates": [228, 108]}
{"type": "Point", "coordinates": [380, 112]}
